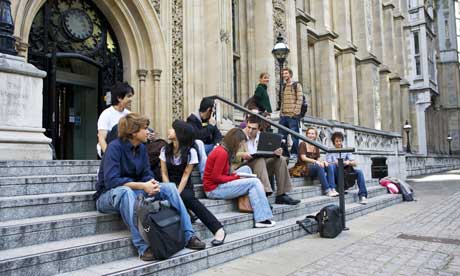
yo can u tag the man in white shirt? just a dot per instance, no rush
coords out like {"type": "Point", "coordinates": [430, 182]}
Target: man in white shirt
{"type": "Point", "coordinates": [266, 167]}
{"type": "Point", "coordinates": [121, 96]}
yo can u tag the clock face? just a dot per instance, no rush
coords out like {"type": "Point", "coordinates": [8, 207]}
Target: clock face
{"type": "Point", "coordinates": [77, 24]}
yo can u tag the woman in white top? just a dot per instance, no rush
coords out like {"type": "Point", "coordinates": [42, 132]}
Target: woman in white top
{"type": "Point", "coordinates": [177, 161]}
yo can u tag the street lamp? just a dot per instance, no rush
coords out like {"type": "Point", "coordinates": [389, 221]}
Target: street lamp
{"type": "Point", "coordinates": [407, 127]}
{"type": "Point", "coordinates": [7, 40]}
{"type": "Point", "coordinates": [449, 140]}
{"type": "Point", "coordinates": [280, 51]}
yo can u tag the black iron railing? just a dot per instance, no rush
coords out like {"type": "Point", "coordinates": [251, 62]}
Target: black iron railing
{"type": "Point", "coordinates": [304, 138]}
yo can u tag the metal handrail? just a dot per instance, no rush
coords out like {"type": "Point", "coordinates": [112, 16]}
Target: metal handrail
{"type": "Point", "coordinates": [277, 125]}
{"type": "Point", "coordinates": [340, 166]}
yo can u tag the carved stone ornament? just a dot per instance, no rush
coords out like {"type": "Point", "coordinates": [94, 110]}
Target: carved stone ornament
{"type": "Point", "coordinates": [177, 60]}
{"type": "Point", "coordinates": [156, 6]}
{"type": "Point", "coordinates": [279, 27]}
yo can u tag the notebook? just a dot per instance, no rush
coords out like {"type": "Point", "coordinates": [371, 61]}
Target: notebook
{"type": "Point", "coordinates": [268, 143]}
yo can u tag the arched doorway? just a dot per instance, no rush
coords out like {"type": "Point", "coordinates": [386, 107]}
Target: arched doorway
{"type": "Point", "coordinates": [72, 41]}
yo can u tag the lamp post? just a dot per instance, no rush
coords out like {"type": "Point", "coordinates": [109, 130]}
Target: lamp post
{"type": "Point", "coordinates": [407, 127]}
{"type": "Point", "coordinates": [280, 51]}
{"type": "Point", "coordinates": [7, 40]}
{"type": "Point", "coordinates": [449, 140]}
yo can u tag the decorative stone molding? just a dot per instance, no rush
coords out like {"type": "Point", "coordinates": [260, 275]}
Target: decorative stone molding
{"type": "Point", "coordinates": [420, 165]}
{"type": "Point", "coordinates": [369, 59]}
{"type": "Point", "coordinates": [177, 60]}
{"type": "Point", "coordinates": [225, 36]}
{"type": "Point", "coordinates": [156, 6]}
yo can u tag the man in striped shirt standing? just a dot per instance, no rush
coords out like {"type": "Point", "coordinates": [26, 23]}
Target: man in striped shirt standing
{"type": "Point", "coordinates": [291, 104]}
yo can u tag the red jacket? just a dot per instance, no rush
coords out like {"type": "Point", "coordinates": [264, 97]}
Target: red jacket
{"type": "Point", "coordinates": [217, 169]}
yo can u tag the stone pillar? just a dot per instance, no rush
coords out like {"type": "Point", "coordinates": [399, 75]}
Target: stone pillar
{"type": "Point", "coordinates": [368, 93]}
{"type": "Point", "coordinates": [326, 78]}
{"type": "Point", "coordinates": [159, 122]}
{"type": "Point", "coordinates": [143, 100]}
{"type": "Point", "coordinates": [362, 27]}
{"type": "Point", "coordinates": [399, 44]}
{"type": "Point", "coordinates": [342, 22]}
{"type": "Point", "coordinates": [347, 87]}
{"type": "Point", "coordinates": [395, 95]}
{"type": "Point", "coordinates": [405, 108]}
{"type": "Point", "coordinates": [21, 87]}
{"type": "Point", "coordinates": [422, 102]}
{"type": "Point", "coordinates": [377, 30]}
{"type": "Point", "coordinates": [303, 56]}
{"type": "Point", "coordinates": [388, 36]}
{"type": "Point", "coordinates": [385, 100]}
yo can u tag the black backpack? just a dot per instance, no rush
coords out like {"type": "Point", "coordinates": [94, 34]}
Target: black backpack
{"type": "Point", "coordinates": [160, 226]}
{"type": "Point", "coordinates": [329, 221]}
{"type": "Point", "coordinates": [350, 177]}
{"type": "Point", "coordinates": [304, 107]}
{"type": "Point", "coordinates": [406, 190]}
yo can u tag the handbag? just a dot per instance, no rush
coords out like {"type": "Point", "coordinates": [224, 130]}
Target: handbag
{"type": "Point", "coordinates": [244, 204]}
{"type": "Point", "coordinates": [300, 169]}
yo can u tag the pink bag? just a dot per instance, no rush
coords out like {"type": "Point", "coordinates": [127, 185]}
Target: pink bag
{"type": "Point", "coordinates": [389, 185]}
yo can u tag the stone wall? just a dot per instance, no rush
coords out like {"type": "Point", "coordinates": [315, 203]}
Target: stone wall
{"type": "Point", "coordinates": [420, 164]}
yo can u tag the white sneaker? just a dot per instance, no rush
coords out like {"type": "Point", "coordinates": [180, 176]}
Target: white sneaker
{"type": "Point", "coordinates": [265, 224]}
{"type": "Point", "coordinates": [331, 193]}
{"type": "Point", "coordinates": [363, 200]}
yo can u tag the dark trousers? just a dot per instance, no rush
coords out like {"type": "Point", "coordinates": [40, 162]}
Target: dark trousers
{"type": "Point", "coordinates": [193, 204]}
{"type": "Point", "coordinates": [293, 124]}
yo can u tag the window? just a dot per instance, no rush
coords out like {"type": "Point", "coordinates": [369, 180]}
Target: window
{"type": "Point", "coordinates": [418, 67]}
{"type": "Point", "coordinates": [431, 54]}
{"type": "Point", "coordinates": [412, 3]}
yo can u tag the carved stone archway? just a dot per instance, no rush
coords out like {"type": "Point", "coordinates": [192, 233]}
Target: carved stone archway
{"type": "Point", "coordinates": [142, 45]}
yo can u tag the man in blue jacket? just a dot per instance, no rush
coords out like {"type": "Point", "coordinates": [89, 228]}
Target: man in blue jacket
{"type": "Point", "coordinates": [125, 173]}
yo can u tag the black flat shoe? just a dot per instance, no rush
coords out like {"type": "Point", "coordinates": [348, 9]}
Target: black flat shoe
{"type": "Point", "coordinates": [215, 242]}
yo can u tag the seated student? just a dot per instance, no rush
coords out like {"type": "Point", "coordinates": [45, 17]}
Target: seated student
{"type": "Point", "coordinates": [177, 161]}
{"type": "Point", "coordinates": [309, 164]}
{"type": "Point", "coordinates": [266, 167]}
{"type": "Point", "coordinates": [121, 94]}
{"type": "Point", "coordinates": [220, 183]}
{"type": "Point", "coordinates": [348, 160]}
{"type": "Point", "coordinates": [125, 173]}
{"type": "Point", "coordinates": [204, 125]}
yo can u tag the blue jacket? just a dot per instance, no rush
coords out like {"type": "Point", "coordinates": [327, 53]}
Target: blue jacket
{"type": "Point", "coordinates": [122, 163]}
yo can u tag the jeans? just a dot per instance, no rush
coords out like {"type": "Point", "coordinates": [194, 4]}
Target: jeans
{"type": "Point", "coordinates": [208, 148]}
{"type": "Point", "coordinates": [121, 200]}
{"type": "Point", "coordinates": [242, 186]}
{"type": "Point", "coordinates": [362, 190]}
{"type": "Point", "coordinates": [293, 124]}
{"type": "Point", "coordinates": [316, 170]}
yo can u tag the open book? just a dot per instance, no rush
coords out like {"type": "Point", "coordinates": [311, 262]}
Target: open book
{"type": "Point", "coordinates": [242, 174]}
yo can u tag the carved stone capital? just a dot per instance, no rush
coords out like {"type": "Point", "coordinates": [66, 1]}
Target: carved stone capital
{"type": "Point", "coordinates": [142, 74]}
{"type": "Point", "coordinates": [156, 73]}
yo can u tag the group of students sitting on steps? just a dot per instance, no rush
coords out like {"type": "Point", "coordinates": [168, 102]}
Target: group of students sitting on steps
{"type": "Point", "coordinates": [125, 171]}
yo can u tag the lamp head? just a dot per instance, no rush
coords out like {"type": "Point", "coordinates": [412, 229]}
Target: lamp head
{"type": "Point", "coordinates": [407, 126]}
{"type": "Point", "coordinates": [280, 51]}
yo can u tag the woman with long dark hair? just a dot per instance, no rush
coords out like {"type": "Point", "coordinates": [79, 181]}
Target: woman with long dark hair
{"type": "Point", "coordinates": [177, 161]}
{"type": "Point", "coordinates": [220, 183]}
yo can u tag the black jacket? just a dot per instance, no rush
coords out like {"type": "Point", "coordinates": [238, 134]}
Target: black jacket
{"type": "Point", "coordinates": [209, 134]}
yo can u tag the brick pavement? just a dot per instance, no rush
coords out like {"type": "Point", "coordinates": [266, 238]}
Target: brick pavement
{"type": "Point", "coordinates": [426, 243]}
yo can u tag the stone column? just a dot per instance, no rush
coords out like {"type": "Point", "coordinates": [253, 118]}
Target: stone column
{"type": "Point", "coordinates": [143, 100]}
{"type": "Point", "coordinates": [399, 44]}
{"type": "Point", "coordinates": [342, 22]}
{"type": "Point", "coordinates": [304, 56]}
{"type": "Point", "coordinates": [422, 102]}
{"type": "Point", "coordinates": [405, 108]}
{"type": "Point", "coordinates": [326, 78]}
{"type": "Point", "coordinates": [388, 36]}
{"type": "Point", "coordinates": [378, 44]}
{"type": "Point", "coordinates": [385, 100]}
{"type": "Point", "coordinates": [368, 93]}
{"type": "Point", "coordinates": [21, 87]}
{"type": "Point", "coordinates": [395, 94]}
{"type": "Point", "coordinates": [362, 27]}
{"type": "Point", "coordinates": [347, 88]}
{"type": "Point", "coordinates": [161, 123]}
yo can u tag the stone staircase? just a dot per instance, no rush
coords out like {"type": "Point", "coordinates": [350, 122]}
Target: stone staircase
{"type": "Point", "coordinates": [49, 225]}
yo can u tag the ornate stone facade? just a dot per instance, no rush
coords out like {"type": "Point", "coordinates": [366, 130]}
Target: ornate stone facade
{"type": "Point", "coordinates": [177, 60]}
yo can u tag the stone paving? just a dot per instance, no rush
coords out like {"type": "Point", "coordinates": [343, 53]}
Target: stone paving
{"type": "Point", "coordinates": [426, 243]}
{"type": "Point", "coordinates": [413, 238]}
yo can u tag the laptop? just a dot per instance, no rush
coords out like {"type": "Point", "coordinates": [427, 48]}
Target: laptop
{"type": "Point", "coordinates": [268, 143]}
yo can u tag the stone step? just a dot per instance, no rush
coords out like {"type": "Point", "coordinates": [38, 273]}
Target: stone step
{"type": "Point", "coordinates": [31, 231]}
{"type": "Point", "coordinates": [30, 206]}
{"type": "Point", "coordinates": [34, 185]}
{"type": "Point", "coordinates": [42, 167]}
{"type": "Point", "coordinates": [113, 253]}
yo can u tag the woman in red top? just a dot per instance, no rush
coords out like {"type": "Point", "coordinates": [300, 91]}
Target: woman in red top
{"type": "Point", "coordinates": [220, 183]}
